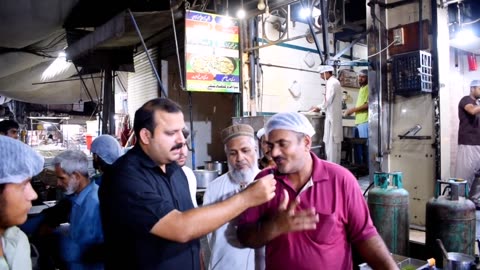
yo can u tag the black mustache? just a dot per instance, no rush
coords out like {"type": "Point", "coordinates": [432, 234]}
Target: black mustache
{"type": "Point", "coordinates": [177, 146]}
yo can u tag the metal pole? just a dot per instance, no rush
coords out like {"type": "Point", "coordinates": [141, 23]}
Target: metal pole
{"type": "Point", "coordinates": [180, 72]}
{"type": "Point", "coordinates": [66, 80]}
{"type": "Point", "coordinates": [326, 49]}
{"type": "Point", "coordinates": [312, 32]}
{"type": "Point", "coordinates": [192, 134]}
{"type": "Point", "coordinates": [134, 22]}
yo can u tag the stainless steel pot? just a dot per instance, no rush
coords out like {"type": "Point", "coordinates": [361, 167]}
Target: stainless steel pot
{"type": "Point", "coordinates": [349, 132]}
{"type": "Point", "coordinates": [459, 261]}
{"type": "Point", "coordinates": [204, 177]}
{"type": "Point", "coordinates": [220, 166]}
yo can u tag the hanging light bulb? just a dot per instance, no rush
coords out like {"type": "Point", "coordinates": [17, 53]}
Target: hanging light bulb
{"type": "Point", "coordinates": [241, 14]}
{"type": "Point", "coordinates": [261, 4]}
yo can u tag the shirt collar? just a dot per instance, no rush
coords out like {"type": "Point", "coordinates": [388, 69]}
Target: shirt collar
{"type": "Point", "coordinates": [145, 160]}
{"type": "Point", "coordinates": [78, 199]}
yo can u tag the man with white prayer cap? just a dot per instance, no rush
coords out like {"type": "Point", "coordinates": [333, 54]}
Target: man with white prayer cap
{"type": "Point", "coordinates": [242, 154]}
{"type": "Point", "coordinates": [332, 105]}
{"type": "Point", "coordinates": [18, 165]}
{"type": "Point", "coordinates": [468, 152]}
{"type": "Point", "coordinates": [325, 216]}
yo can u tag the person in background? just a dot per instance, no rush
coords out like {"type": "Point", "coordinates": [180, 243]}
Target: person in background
{"type": "Point", "coordinates": [332, 105]}
{"type": "Point", "coordinates": [106, 150]}
{"type": "Point", "coordinates": [361, 113]}
{"type": "Point", "coordinates": [266, 160]}
{"type": "Point", "coordinates": [182, 161]}
{"type": "Point", "coordinates": [147, 212]}
{"type": "Point", "coordinates": [325, 216]}
{"type": "Point", "coordinates": [222, 244]}
{"type": "Point", "coordinates": [9, 128]}
{"type": "Point", "coordinates": [19, 165]}
{"type": "Point", "coordinates": [79, 244]}
{"type": "Point", "coordinates": [468, 152]}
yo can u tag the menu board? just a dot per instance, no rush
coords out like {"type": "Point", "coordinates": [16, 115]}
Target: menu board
{"type": "Point", "coordinates": [212, 53]}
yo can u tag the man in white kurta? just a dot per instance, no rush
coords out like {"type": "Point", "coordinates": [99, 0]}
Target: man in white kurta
{"type": "Point", "coordinates": [332, 105]}
{"type": "Point", "coordinates": [222, 245]}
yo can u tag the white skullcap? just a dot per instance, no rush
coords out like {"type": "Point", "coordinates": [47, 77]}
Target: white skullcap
{"type": "Point", "coordinates": [19, 161]}
{"type": "Point", "coordinates": [292, 121]}
{"type": "Point", "coordinates": [475, 83]}
{"type": "Point", "coordinates": [363, 72]}
{"type": "Point", "coordinates": [260, 133]}
{"type": "Point", "coordinates": [107, 148]}
{"type": "Point", "coordinates": [323, 69]}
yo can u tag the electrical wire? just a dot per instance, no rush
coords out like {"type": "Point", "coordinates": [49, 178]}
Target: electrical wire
{"type": "Point", "coordinates": [377, 53]}
{"type": "Point", "coordinates": [471, 22]}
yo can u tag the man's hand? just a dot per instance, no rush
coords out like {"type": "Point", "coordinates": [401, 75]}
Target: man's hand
{"type": "Point", "coordinates": [289, 218]}
{"type": "Point", "coordinates": [349, 111]}
{"type": "Point", "coordinates": [260, 191]}
{"type": "Point", "coordinates": [314, 109]}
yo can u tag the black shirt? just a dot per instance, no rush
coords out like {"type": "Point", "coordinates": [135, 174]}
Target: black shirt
{"type": "Point", "coordinates": [135, 194]}
{"type": "Point", "coordinates": [469, 126]}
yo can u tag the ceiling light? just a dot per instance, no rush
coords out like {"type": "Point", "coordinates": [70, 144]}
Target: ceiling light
{"type": "Point", "coordinates": [261, 4]}
{"type": "Point", "coordinates": [58, 66]}
{"type": "Point", "coordinates": [304, 13]}
{"type": "Point", "coordinates": [241, 14]}
{"type": "Point", "coordinates": [465, 35]}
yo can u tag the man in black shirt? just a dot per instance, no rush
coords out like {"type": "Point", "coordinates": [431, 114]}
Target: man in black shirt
{"type": "Point", "coordinates": [148, 217]}
{"type": "Point", "coordinates": [468, 155]}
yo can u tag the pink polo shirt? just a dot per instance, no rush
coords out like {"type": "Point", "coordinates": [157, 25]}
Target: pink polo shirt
{"type": "Point", "coordinates": [343, 219]}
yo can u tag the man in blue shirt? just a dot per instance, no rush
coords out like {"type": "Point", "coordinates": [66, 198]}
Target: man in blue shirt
{"type": "Point", "coordinates": [147, 213]}
{"type": "Point", "coordinates": [79, 242]}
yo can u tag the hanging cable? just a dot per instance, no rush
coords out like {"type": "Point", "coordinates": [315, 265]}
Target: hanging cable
{"type": "Point", "coordinates": [180, 72]}
{"type": "Point", "coordinates": [160, 84]}
{"type": "Point", "coordinates": [377, 53]}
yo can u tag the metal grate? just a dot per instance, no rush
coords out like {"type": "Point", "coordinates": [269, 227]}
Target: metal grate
{"type": "Point", "coordinates": [412, 73]}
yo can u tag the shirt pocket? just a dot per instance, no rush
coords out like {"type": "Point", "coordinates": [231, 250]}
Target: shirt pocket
{"type": "Point", "coordinates": [326, 228]}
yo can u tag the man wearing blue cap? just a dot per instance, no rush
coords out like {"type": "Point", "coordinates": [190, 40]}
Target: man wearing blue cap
{"type": "Point", "coordinates": [16, 196]}
{"type": "Point", "coordinates": [468, 154]}
{"type": "Point", "coordinates": [105, 150]}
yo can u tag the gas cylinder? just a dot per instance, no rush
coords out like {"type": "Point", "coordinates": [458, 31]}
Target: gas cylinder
{"type": "Point", "coordinates": [388, 205]}
{"type": "Point", "coordinates": [450, 218]}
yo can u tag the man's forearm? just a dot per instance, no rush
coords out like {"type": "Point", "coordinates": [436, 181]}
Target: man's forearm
{"type": "Point", "coordinates": [194, 223]}
{"type": "Point", "coordinates": [376, 254]}
{"type": "Point", "coordinates": [258, 234]}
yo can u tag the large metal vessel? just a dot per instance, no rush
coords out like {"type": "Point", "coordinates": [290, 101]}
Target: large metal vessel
{"type": "Point", "coordinates": [450, 218]}
{"type": "Point", "coordinates": [388, 205]}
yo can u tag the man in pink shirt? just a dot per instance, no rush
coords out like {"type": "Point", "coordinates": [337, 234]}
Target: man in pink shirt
{"type": "Point", "coordinates": [326, 216]}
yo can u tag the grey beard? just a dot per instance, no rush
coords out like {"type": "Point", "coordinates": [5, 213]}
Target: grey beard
{"type": "Point", "coordinates": [243, 177]}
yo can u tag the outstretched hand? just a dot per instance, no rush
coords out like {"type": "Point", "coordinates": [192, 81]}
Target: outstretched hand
{"type": "Point", "coordinates": [289, 218]}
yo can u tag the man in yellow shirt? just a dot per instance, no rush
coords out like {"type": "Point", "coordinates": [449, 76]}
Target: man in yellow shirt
{"type": "Point", "coordinates": [361, 109]}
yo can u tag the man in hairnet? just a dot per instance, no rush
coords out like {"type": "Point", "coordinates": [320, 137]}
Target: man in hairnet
{"type": "Point", "coordinates": [332, 105]}
{"type": "Point", "coordinates": [361, 113]}
{"type": "Point", "coordinates": [318, 212]}
{"type": "Point", "coordinates": [105, 150]}
{"type": "Point", "coordinates": [468, 152]}
{"type": "Point", "coordinates": [16, 196]}
{"type": "Point", "coordinates": [9, 128]}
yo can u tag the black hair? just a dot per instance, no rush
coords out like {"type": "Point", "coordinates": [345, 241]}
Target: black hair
{"type": "Point", "coordinates": [2, 187]}
{"type": "Point", "coordinates": [144, 116]}
{"type": "Point", "coordinates": [6, 125]}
